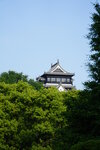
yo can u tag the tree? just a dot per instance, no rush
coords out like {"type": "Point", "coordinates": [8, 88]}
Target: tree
{"type": "Point", "coordinates": [29, 119]}
{"type": "Point", "coordinates": [37, 85]}
{"type": "Point", "coordinates": [93, 86]}
{"type": "Point", "coordinates": [11, 77]}
{"type": "Point", "coordinates": [83, 108]}
{"type": "Point", "coordinates": [93, 144]}
{"type": "Point", "coordinates": [77, 118]}
{"type": "Point", "coordinates": [94, 38]}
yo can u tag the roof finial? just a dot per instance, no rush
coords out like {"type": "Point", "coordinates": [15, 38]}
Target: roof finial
{"type": "Point", "coordinates": [57, 61]}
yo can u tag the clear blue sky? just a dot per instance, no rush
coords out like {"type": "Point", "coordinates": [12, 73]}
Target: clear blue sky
{"type": "Point", "coordinates": [35, 33]}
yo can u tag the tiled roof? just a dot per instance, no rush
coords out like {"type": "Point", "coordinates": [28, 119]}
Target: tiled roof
{"type": "Point", "coordinates": [59, 73]}
{"type": "Point", "coordinates": [56, 69]}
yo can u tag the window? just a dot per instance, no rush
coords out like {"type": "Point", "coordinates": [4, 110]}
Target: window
{"type": "Point", "coordinates": [53, 79]}
{"type": "Point", "coordinates": [58, 80]}
{"type": "Point", "coordinates": [48, 79]}
{"type": "Point", "coordinates": [63, 80]}
{"type": "Point", "coordinates": [68, 80]}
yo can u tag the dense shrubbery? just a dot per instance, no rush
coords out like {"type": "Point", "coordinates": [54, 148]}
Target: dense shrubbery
{"type": "Point", "coordinates": [87, 145]}
{"type": "Point", "coordinates": [29, 118]}
{"type": "Point", "coordinates": [43, 120]}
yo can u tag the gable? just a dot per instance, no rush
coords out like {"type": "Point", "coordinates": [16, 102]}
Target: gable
{"type": "Point", "coordinates": [58, 70]}
{"type": "Point", "coordinates": [60, 88]}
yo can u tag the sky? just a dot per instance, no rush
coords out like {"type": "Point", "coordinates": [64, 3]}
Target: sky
{"type": "Point", "coordinates": [35, 33]}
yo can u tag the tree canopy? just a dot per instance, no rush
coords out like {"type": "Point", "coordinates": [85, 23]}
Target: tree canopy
{"type": "Point", "coordinates": [12, 77]}
{"type": "Point", "coordinates": [94, 41]}
{"type": "Point", "coordinates": [29, 118]}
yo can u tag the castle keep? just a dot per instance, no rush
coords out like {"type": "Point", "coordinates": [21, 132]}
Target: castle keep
{"type": "Point", "coordinates": [57, 77]}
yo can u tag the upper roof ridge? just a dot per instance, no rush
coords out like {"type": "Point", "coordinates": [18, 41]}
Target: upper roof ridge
{"type": "Point", "coordinates": [57, 63]}
{"type": "Point", "coordinates": [57, 69]}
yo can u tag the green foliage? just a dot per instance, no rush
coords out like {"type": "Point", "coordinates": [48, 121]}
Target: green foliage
{"type": "Point", "coordinates": [46, 119]}
{"type": "Point", "coordinates": [39, 147]}
{"type": "Point", "coordinates": [37, 85]}
{"type": "Point", "coordinates": [83, 107]}
{"type": "Point", "coordinates": [78, 111]}
{"type": "Point", "coordinates": [11, 77]}
{"type": "Point", "coordinates": [67, 135]}
{"type": "Point", "coordinates": [28, 116]}
{"type": "Point", "coordinates": [80, 120]}
{"type": "Point", "coordinates": [94, 38]}
{"type": "Point", "coordinates": [87, 145]}
{"type": "Point", "coordinates": [94, 67]}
